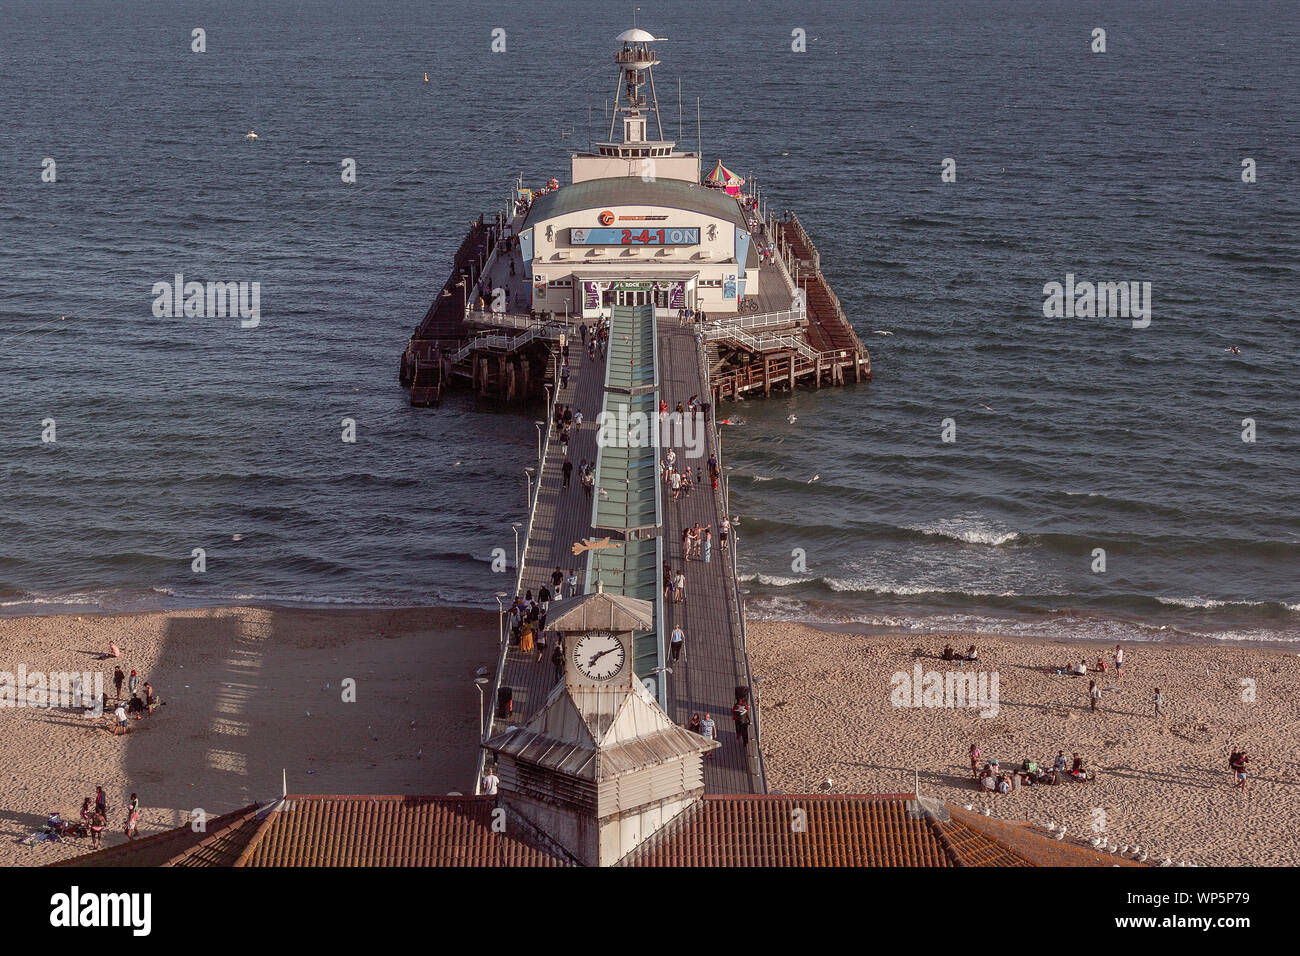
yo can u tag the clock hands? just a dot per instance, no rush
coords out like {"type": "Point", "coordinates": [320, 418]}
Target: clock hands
{"type": "Point", "coordinates": [599, 654]}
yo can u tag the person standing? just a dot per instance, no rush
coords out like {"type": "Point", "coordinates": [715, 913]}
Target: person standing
{"type": "Point", "coordinates": [1119, 661]}
{"type": "Point", "coordinates": [557, 657]}
{"type": "Point", "coordinates": [676, 642]}
{"type": "Point", "coordinates": [1094, 693]}
{"type": "Point", "coordinates": [491, 782]}
{"type": "Point", "coordinates": [120, 715]}
{"type": "Point", "coordinates": [97, 823]}
{"type": "Point", "coordinates": [149, 699]}
{"type": "Point", "coordinates": [1238, 762]}
{"type": "Point", "coordinates": [566, 470]}
{"type": "Point", "coordinates": [724, 532]}
{"type": "Point", "coordinates": [708, 544]}
{"type": "Point", "coordinates": [118, 680]}
{"type": "Point", "coordinates": [740, 714]}
{"type": "Point", "coordinates": [974, 754]}
{"type": "Point", "coordinates": [694, 725]}
{"type": "Point", "coordinates": [709, 731]}
{"type": "Point", "coordinates": [572, 581]}
{"type": "Point", "coordinates": [679, 588]}
{"type": "Point", "coordinates": [1158, 700]}
{"type": "Point", "coordinates": [132, 818]}
{"type": "Point", "coordinates": [544, 598]}
{"type": "Point", "coordinates": [133, 684]}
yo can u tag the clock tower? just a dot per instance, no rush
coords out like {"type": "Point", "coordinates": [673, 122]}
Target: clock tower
{"type": "Point", "coordinates": [600, 767]}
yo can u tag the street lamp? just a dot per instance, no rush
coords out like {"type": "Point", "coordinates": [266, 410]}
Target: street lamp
{"type": "Point", "coordinates": [549, 410]}
{"type": "Point", "coordinates": [539, 439]}
{"type": "Point", "coordinates": [515, 525]}
{"type": "Point", "coordinates": [479, 682]}
{"type": "Point", "coordinates": [529, 472]}
{"type": "Point", "coordinates": [501, 618]}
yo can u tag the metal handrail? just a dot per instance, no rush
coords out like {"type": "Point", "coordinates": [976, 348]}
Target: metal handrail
{"type": "Point", "coordinates": [769, 343]}
{"type": "Point", "coordinates": [716, 328]}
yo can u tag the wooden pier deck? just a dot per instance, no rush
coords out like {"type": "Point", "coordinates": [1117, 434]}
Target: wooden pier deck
{"type": "Point", "coordinates": [714, 660]}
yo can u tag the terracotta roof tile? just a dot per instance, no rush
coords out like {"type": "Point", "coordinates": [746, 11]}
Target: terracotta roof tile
{"type": "Point", "coordinates": [395, 831]}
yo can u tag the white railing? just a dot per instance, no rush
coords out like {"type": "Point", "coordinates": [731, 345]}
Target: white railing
{"type": "Point", "coordinates": [502, 341]}
{"type": "Point", "coordinates": [505, 320]}
{"type": "Point", "coordinates": [713, 327]}
{"type": "Point", "coordinates": [767, 343]}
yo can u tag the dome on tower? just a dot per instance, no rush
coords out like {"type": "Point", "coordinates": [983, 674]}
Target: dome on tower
{"type": "Point", "coordinates": [636, 36]}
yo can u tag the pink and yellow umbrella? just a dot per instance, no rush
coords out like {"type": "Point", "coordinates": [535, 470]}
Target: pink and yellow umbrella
{"type": "Point", "coordinates": [722, 176]}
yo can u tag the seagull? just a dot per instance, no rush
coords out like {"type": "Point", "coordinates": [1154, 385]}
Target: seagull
{"type": "Point", "coordinates": [814, 478]}
{"type": "Point", "coordinates": [982, 405]}
{"type": "Point", "coordinates": [1142, 858]}
{"type": "Point", "coordinates": [1051, 825]}
{"type": "Point", "coordinates": [791, 419]}
{"type": "Point", "coordinates": [1061, 835]}
{"type": "Point", "coordinates": [881, 332]}
{"type": "Point", "coordinates": [1097, 841]}
{"type": "Point", "coordinates": [250, 135]}
{"type": "Point", "coordinates": [987, 813]}
{"type": "Point", "coordinates": [1166, 861]}
{"type": "Point", "coordinates": [827, 783]}
{"type": "Point", "coordinates": [967, 806]}
{"type": "Point", "coordinates": [236, 537]}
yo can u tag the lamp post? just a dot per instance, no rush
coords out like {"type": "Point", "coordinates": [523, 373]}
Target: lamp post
{"type": "Point", "coordinates": [501, 617]}
{"type": "Point", "coordinates": [479, 682]}
{"type": "Point", "coordinates": [529, 472]}
{"type": "Point", "coordinates": [549, 410]}
{"type": "Point", "coordinates": [539, 439]}
{"type": "Point", "coordinates": [515, 525]}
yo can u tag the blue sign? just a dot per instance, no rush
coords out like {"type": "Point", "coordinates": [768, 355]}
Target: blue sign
{"type": "Point", "coordinates": [635, 237]}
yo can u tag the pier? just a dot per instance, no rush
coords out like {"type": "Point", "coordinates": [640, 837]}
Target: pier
{"type": "Point", "coordinates": [629, 506]}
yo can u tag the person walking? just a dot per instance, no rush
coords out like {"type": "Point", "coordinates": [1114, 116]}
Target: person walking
{"type": "Point", "coordinates": [708, 544]}
{"type": "Point", "coordinates": [572, 582]}
{"type": "Point", "coordinates": [566, 470]}
{"type": "Point", "coordinates": [97, 823]}
{"type": "Point", "coordinates": [1094, 693]}
{"type": "Point", "coordinates": [491, 782]}
{"type": "Point", "coordinates": [1158, 700]}
{"type": "Point", "coordinates": [118, 680]}
{"type": "Point", "coordinates": [557, 657]}
{"type": "Point", "coordinates": [1119, 661]}
{"type": "Point", "coordinates": [974, 754]}
{"type": "Point", "coordinates": [1238, 762]}
{"type": "Point", "coordinates": [740, 714]}
{"type": "Point", "coordinates": [676, 641]}
{"type": "Point", "coordinates": [709, 731]}
{"type": "Point", "coordinates": [544, 598]}
{"type": "Point", "coordinates": [694, 725]}
{"type": "Point", "coordinates": [679, 587]}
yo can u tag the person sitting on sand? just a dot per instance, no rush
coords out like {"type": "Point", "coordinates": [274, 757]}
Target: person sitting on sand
{"type": "Point", "coordinates": [1076, 768]}
{"type": "Point", "coordinates": [1102, 666]}
{"type": "Point", "coordinates": [989, 782]}
{"type": "Point", "coordinates": [1004, 785]}
{"type": "Point", "coordinates": [949, 653]}
{"type": "Point", "coordinates": [1059, 763]}
{"type": "Point", "coordinates": [1080, 668]}
{"type": "Point", "coordinates": [135, 706]}
{"type": "Point", "coordinates": [972, 654]}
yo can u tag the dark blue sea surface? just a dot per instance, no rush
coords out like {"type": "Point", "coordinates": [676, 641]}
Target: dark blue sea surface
{"type": "Point", "coordinates": [1072, 433]}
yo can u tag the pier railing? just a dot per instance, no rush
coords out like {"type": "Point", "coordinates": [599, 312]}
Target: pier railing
{"type": "Point", "coordinates": [764, 343]}
{"type": "Point", "coordinates": [762, 320]}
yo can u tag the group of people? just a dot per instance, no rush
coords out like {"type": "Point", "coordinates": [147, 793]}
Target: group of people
{"type": "Point", "coordinates": [595, 340]}
{"type": "Point", "coordinates": [674, 585]}
{"type": "Point", "coordinates": [689, 316]}
{"type": "Point", "coordinates": [740, 716]}
{"type": "Point", "coordinates": [94, 818]}
{"type": "Point", "coordinates": [133, 706]}
{"type": "Point", "coordinates": [992, 778]}
{"type": "Point", "coordinates": [1101, 666]}
{"type": "Point", "coordinates": [950, 655]}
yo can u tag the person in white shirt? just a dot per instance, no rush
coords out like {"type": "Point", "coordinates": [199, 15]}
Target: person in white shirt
{"type": "Point", "coordinates": [490, 783]}
{"type": "Point", "coordinates": [709, 731]}
{"type": "Point", "coordinates": [1119, 660]}
{"type": "Point", "coordinates": [120, 714]}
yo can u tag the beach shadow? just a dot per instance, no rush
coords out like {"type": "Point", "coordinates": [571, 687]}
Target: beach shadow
{"type": "Point", "coordinates": [965, 781]}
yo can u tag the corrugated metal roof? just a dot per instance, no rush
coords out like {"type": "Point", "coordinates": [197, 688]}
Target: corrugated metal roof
{"type": "Point", "coordinates": [596, 194]}
{"type": "Point", "coordinates": [605, 611]}
{"type": "Point", "coordinates": [633, 349]}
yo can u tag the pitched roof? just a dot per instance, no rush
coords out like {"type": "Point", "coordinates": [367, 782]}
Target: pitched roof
{"type": "Point", "coordinates": [880, 830]}
{"type": "Point", "coordinates": [635, 191]}
{"type": "Point", "coordinates": [862, 830]}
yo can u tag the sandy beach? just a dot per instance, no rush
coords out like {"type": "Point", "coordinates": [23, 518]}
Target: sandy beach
{"type": "Point", "coordinates": [248, 692]}
{"type": "Point", "coordinates": [1163, 783]}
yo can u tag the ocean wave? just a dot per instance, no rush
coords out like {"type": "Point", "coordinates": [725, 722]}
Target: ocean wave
{"type": "Point", "coordinates": [967, 531]}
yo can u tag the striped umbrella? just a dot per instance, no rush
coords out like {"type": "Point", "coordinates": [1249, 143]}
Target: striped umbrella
{"type": "Point", "coordinates": [722, 176]}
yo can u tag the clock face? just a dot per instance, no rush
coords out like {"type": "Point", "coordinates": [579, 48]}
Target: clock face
{"type": "Point", "coordinates": [599, 655]}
